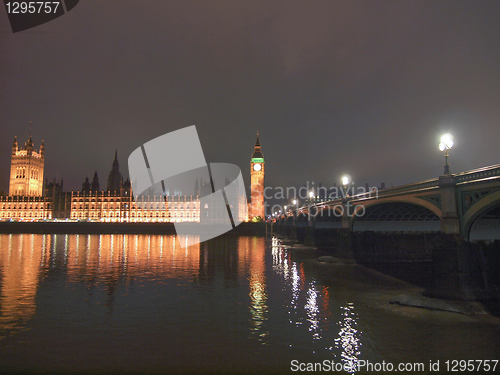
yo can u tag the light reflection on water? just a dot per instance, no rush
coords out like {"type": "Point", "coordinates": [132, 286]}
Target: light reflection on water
{"type": "Point", "coordinates": [95, 302]}
{"type": "Point", "coordinates": [348, 338]}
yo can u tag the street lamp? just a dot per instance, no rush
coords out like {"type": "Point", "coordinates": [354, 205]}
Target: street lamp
{"type": "Point", "coordinates": [346, 180]}
{"type": "Point", "coordinates": [444, 146]}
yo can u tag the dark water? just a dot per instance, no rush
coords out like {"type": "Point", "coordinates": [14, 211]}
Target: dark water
{"type": "Point", "coordinates": [140, 303]}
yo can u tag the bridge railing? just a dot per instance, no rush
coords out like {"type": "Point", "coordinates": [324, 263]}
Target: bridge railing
{"type": "Point", "coordinates": [419, 186]}
{"type": "Point", "coordinates": [467, 176]}
{"type": "Point", "coordinates": [478, 174]}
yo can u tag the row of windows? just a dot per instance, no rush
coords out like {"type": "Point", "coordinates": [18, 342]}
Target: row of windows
{"type": "Point", "coordinates": [21, 173]}
{"type": "Point", "coordinates": [147, 206]}
{"type": "Point", "coordinates": [14, 207]}
{"type": "Point", "coordinates": [86, 207]}
{"type": "Point", "coordinates": [20, 191]}
{"type": "Point", "coordinates": [23, 215]}
{"type": "Point", "coordinates": [152, 220]}
{"type": "Point", "coordinates": [76, 215]}
{"type": "Point", "coordinates": [133, 219]}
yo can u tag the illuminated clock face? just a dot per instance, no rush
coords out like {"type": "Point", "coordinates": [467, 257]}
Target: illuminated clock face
{"type": "Point", "coordinates": [257, 167]}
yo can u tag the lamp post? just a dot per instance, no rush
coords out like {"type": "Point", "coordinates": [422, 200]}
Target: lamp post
{"type": "Point", "coordinates": [445, 146]}
{"type": "Point", "coordinates": [311, 197]}
{"type": "Point", "coordinates": [346, 180]}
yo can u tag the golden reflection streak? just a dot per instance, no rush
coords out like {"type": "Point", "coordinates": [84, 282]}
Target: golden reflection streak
{"type": "Point", "coordinates": [252, 253]}
{"type": "Point", "coordinates": [20, 268]}
{"type": "Point", "coordinates": [145, 254]}
{"type": "Point", "coordinates": [96, 258]}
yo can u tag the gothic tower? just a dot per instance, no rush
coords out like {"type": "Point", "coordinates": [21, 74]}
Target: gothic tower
{"type": "Point", "coordinates": [26, 170]}
{"type": "Point", "coordinates": [115, 179]}
{"type": "Point", "coordinates": [95, 184]}
{"type": "Point", "coordinates": [257, 171]}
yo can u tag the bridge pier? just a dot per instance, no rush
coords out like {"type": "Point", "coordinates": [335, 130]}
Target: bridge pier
{"type": "Point", "coordinates": [292, 233]}
{"type": "Point", "coordinates": [344, 244]}
{"type": "Point", "coordinates": [279, 228]}
{"type": "Point", "coordinates": [338, 240]}
{"type": "Point", "coordinates": [451, 265]}
{"type": "Point", "coordinates": [450, 222]}
{"type": "Point", "coordinates": [309, 237]}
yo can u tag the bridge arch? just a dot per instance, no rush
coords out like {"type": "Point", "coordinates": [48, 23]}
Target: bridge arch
{"type": "Point", "coordinates": [402, 199]}
{"type": "Point", "coordinates": [395, 214]}
{"type": "Point", "coordinates": [488, 205]}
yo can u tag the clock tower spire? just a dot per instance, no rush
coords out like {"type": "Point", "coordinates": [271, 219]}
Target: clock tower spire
{"type": "Point", "coordinates": [257, 171]}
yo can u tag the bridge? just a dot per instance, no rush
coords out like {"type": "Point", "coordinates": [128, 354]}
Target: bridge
{"type": "Point", "coordinates": [441, 220]}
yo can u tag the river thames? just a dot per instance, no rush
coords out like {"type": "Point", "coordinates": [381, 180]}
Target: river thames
{"type": "Point", "coordinates": [143, 303]}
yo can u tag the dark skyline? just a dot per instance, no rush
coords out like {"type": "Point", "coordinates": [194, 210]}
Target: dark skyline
{"type": "Point", "coordinates": [365, 88]}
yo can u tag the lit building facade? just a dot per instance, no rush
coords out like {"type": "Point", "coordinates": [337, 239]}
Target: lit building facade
{"type": "Point", "coordinates": [25, 200]}
{"type": "Point", "coordinates": [31, 200]}
{"type": "Point", "coordinates": [26, 170]}
{"type": "Point", "coordinates": [117, 203]}
{"type": "Point", "coordinates": [25, 208]}
{"type": "Point", "coordinates": [256, 207]}
{"type": "Point", "coordinates": [116, 207]}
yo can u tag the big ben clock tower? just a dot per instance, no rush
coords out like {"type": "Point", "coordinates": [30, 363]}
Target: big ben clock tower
{"type": "Point", "coordinates": [257, 172]}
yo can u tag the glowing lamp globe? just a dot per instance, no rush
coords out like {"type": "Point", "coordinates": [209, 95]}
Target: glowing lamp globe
{"type": "Point", "coordinates": [446, 142]}
{"type": "Point", "coordinates": [346, 179]}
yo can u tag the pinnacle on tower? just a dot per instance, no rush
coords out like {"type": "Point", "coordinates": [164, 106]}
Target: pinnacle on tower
{"type": "Point", "coordinates": [115, 162]}
{"type": "Point", "coordinates": [14, 146]}
{"type": "Point", "coordinates": [95, 183]}
{"type": "Point", "coordinates": [115, 179]}
{"type": "Point", "coordinates": [257, 153]}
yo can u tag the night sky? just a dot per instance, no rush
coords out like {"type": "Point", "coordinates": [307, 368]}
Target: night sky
{"type": "Point", "coordinates": [359, 87]}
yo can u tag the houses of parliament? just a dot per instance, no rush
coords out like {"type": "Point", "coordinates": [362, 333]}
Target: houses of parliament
{"type": "Point", "coordinates": [30, 199]}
